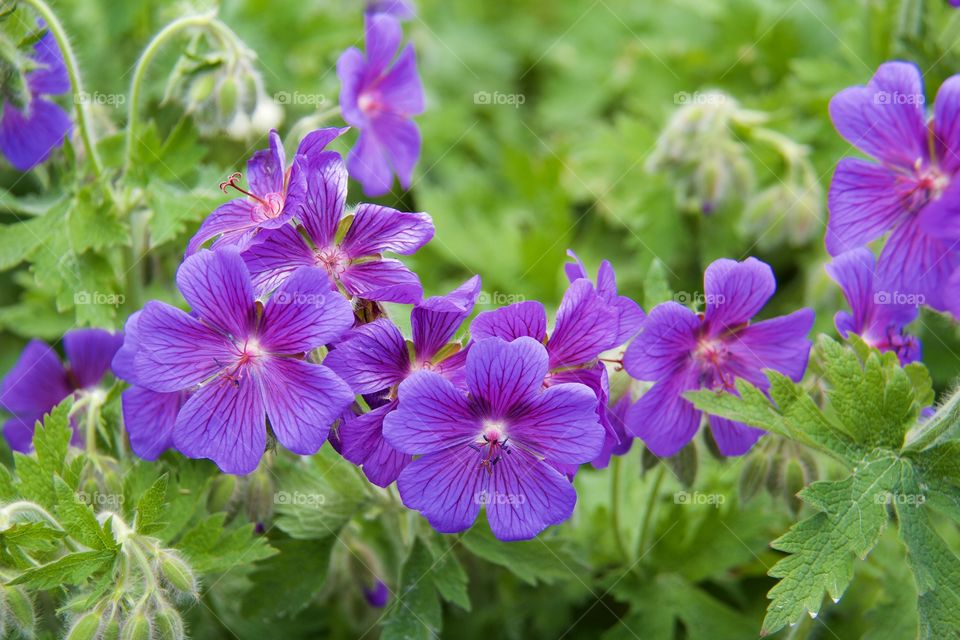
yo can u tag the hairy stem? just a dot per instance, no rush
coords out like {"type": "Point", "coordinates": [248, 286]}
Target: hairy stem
{"type": "Point", "coordinates": [615, 507]}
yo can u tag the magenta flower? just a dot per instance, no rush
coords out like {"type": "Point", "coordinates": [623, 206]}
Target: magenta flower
{"type": "Point", "coordinates": [496, 444]}
{"type": "Point", "coordinates": [246, 360]}
{"type": "Point", "coordinates": [680, 350]}
{"type": "Point", "coordinates": [354, 262]}
{"type": "Point", "coordinates": [379, 95]}
{"type": "Point", "coordinates": [879, 313]}
{"type": "Point", "coordinates": [275, 194]}
{"type": "Point", "coordinates": [30, 132]}
{"type": "Point", "coordinates": [374, 359]}
{"type": "Point", "coordinates": [911, 192]}
{"type": "Point", "coordinates": [39, 381]}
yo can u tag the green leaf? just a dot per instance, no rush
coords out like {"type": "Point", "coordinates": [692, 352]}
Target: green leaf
{"type": "Point", "coordinates": [656, 289]}
{"type": "Point", "coordinates": [851, 516]}
{"type": "Point", "coordinates": [415, 608]}
{"type": "Point", "coordinates": [212, 548]}
{"type": "Point", "coordinates": [448, 575]}
{"type": "Point", "coordinates": [173, 208]}
{"type": "Point", "coordinates": [533, 561]}
{"type": "Point", "coordinates": [73, 568]}
{"type": "Point", "coordinates": [275, 592]}
{"type": "Point", "coordinates": [79, 520]}
{"type": "Point", "coordinates": [93, 224]}
{"type": "Point", "coordinates": [151, 506]}
{"type": "Point", "coordinates": [51, 441]}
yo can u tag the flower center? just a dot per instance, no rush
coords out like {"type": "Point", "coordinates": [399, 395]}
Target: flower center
{"type": "Point", "coordinates": [712, 354]}
{"type": "Point", "coordinates": [268, 206]}
{"type": "Point", "coordinates": [333, 260]}
{"type": "Point", "coordinates": [491, 444]}
{"type": "Point", "coordinates": [926, 184]}
{"type": "Point", "coordinates": [248, 352]}
{"type": "Point", "coordinates": [368, 103]}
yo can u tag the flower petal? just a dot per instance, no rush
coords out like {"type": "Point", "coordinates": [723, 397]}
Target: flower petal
{"type": "Point", "coordinates": [234, 223]}
{"type": "Point", "coordinates": [385, 280]}
{"type": "Point", "coordinates": [302, 401]}
{"type": "Point", "coordinates": [432, 415]}
{"type": "Point", "coordinates": [586, 326]}
{"type": "Point", "coordinates": [304, 314]}
{"type": "Point", "coordinates": [265, 168]}
{"type": "Point", "coordinates": [735, 292]}
{"type": "Point", "coordinates": [371, 357]}
{"type": "Point", "coordinates": [664, 345]}
{"type": "Point", "coordinates": [51, 77]}
{"type": "Point", "coordinates": [444, 487]}
{"type": "Point", "coordinates": [914, 264]}
{"type": "Point", "coordinates": [885, 119]}
{"type": "Point", "coordinates": [502, 375]}
{"type": "Point", "coordinates": [36, 383]}
{"type": "Point", "coordinates": [368, 164]}
{"type": "Point", "coordinates": [399, 140]}
{"type": "Point", "coordinates": [663, 418]}
{"type": "Point", "coordinates": [779, 343]}
{"type": "Point", "coordinates": [27, 139]}
{"type": "Point", "coordinates": [216, 285]}
{"type": "Point", "coordinates": [276, 257]}
{"type": "Point", "coordinates": [89, 352]}
{"type": "Point", "coordinates": [401, 89]}
{"type": "Point", "coordinates": [733, 438]}
{"type": "Point", "coordinates": [865, 201]}
{"type": "Point", "coordinates": [363, 444]}
{"type": "Point", "coordinates": [321, 197]}
{"type": "Point", "coordinates": [434, 321]}
{"type": "Point", "coordinates": [527, 318]}
{"type": "Point", "coordinates": [176, 350]}
{"type": "Point", "coordinates": [946, 128]}
{"type": "Point", "coordinates": [149, 418]}
{"type": "Point", "coordinates": [383, 34]}
{"type": "Point", "coordinates": [224, 422]}
{"type": "Point", "coordinates": [377, 229]}
{"type": "Point", "coordinates": [560, 424]}
{"type": "Point", "coordinates": [526, 496]}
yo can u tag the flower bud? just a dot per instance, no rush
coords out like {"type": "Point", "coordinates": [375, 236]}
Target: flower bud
{"type": "Point", "coordinates": [85, 628]}
{"type": "Point", "coordinates": [177, 572]}
{"type": "Point", "coordinates": [167, 624]}
{"type": "Point", "coordinates": [378, 595]}
{"type": "Point", "coordinates": [753, 475]}
{"type": "Point", "coordinates": [136, 627]}
{"type": "Point", "coordinates": [18, 611]}
{"type": "Point", "coordinates": [259, 496]}
{"type": "Point", "coordinates": [221, 493]}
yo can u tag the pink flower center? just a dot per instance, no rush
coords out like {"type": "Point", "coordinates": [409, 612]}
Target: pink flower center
{"type": "Point", "coordinates": [491, 444]}
{"type": "Point", "coordinates": [248, 352]}
{"type": "Point", "coordinates": [926, 184]}
{"type": "Point", "coordinates": [333, 260]}
{"type": "Point", "coordinates": [368, 103]}
{"type": "Point", "coordinates": [712, 354]}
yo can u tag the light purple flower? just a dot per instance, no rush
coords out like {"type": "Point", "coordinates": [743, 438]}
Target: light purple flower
{"type": "Point", "coordinates": [39, 380]}
{"type": "Point", "coordinates": [879, 313]}
{"type": "Point", "coordinates": [496, 444]}
{"type": "Point", "coordinates": [629, 314]}
{"type": "Point", "coordinates": [379, 95]}
{"type": "Point", "coordinates": [28, 135]}
{"type": "Point", "coordinates": [248, 361]}
{"type": "Point", "coordinates": [680, 351]}
{"type": "Point", "coordinates": [374, 358]}
{"type": "Point", "coordinates": [399, 9]}
{"type": "Point", "coordinates": [275, 195]}
{"type": "Point", "coordinates": [911, 192]}
{"type": "Point", "coordinates": [353, 262]}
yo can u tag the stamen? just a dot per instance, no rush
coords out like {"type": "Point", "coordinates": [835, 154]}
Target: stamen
{"type": "Point", "coordinates": [232, 182]}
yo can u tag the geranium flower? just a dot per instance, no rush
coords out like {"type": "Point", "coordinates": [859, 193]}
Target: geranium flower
{"type": "Point", "coordinates": [495, 444]}
{"type": "Point", "coordinates": [379, 94]}
{"type": "Point", "coordinates": [353, 262]}
{"type": "Point", "coordinates": [247, 360]}
{"type": "Point", "coordinates": [374, 359]}
{"type": "Point", "coordinates": [30, 132]}
{"type": "Point", "coordinates": [39, 381]}
{"type": "Point", "coordinates": [275, 194]}
{"type": "Point", "coordinates": [911, 192]}
{"type": "Point", "coordinates": [680, 350]}
{"type": "Point", "coordinates": [879, 313]}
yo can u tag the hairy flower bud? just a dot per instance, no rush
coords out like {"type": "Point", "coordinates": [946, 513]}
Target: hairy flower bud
{"type": "Point", "coordinates": [137, 627]}
{"type": "Point", "coordinates": [177, 572]}
{"type": "Point", "coordinates": [167, 624]}
{"type": "Point", "coordinates": [18, 611]}
{"type": "Point", "coordinates": [85, 628]}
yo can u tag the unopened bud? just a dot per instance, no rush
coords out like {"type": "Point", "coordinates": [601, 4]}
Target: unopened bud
{"type": "Point", "coordinates": [259, 500]}
{"type": "Point", "coordinates": [168, 625]}
{"type": "Point", "coordinates": [221, 493]}
{"type": "Point", "coordinates": [177, 573]}
{"type": "Point", "coordinates": [19, 612]}
{"type": "Point", "coordinates": [136, 627]}
{"type": "Point", "coordinates": [85, 628]}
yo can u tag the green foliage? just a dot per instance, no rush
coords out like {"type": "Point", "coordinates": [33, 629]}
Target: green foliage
{"type": "Point", "coordinates": [869, 422]}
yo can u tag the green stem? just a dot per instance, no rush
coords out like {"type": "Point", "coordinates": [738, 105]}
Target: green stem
{"type": "Point", "coordinates": [615, 507]}
{"type": "Point", "coordinates": [647, 521]}
{"type": "Point", "coordinates": [70, 61]}
{"type": "Point", "coordinates": [207, 21]}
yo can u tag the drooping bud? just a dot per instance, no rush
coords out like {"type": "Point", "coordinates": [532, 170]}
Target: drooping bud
{"type": "Point", "coordinates": [177, 572]}
{"type": "Point", "coordinates": [136, 627]}
{"type": "Point", "coordinates": [221, 493]}
{"type": "Point", "coordinates": [259, 496]}
{"type": "Point", "coordinates": [167, 624]}
{"type": "Point", "coordinates": [18, 611]}
{"type": "Point", "coordinates": [86, 627]}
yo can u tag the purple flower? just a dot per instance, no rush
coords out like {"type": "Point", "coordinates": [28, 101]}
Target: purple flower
{"type": "Point", "coordinates": [39, 380]}
{"type": "Point", "coordinates": [617, 440]}
{"type": "Point", "coordinates": [379, 95]}
{"type": "Point", "coordinates": [352, 260]}
{"type": "Point", "coordinates": [148, 416]}
{"type": "Point", "coordinates": [680, 350]}
{"type": "Point", "coordinates": [496, 444]}
{"type": "Point", "coordinates": [378, 595]}
{"type": "Point", "coordinates": [590, 320]}
{"type": "Point", "coordinates": [374, 359]}
{"type": "Point", "coordinates": [275, 195]}
{"type": "Point", "coordinates": [246, 360]}
{"type": "Point", "coordinates": [29, 132]}
{"type": "Point", "coordinates": [879, 317]}
{"type": "Point", "coordinates": [911, 192]}
{"type": "Point", "coordinates": [399, 9]}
